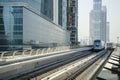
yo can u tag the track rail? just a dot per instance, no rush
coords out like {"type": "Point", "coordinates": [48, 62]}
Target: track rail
{"type": "Point", "coordinates": [92, 72]}
{"type": "Point", "coordinates": [85, 66]}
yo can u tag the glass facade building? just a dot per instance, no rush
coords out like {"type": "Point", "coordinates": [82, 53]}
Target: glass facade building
{"type": "Point", "coordinates": [98, 18]}
{"type": "Point", "coordinates": [29, 23]}
{"type": "Point", "coordinates": [11, 27]}
{"type": "Point", "coordinates": [72, 22]}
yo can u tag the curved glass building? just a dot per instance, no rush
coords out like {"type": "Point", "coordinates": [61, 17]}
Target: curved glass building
{"type": "Point", "coordinates": [98, 20]}
{"type": "Point", "coordinates": [31, 23]}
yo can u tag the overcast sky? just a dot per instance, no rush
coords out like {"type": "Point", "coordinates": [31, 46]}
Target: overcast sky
{"type": "Point", "coordinates": [113, 16]}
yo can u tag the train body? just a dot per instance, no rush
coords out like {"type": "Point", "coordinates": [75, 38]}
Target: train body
{"type": "Point", "coordinates": [98, 45]}
{"type": "Point", "coordinates": [109, 45]}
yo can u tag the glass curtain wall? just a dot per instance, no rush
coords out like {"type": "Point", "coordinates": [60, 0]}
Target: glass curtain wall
{"type": "Point", "coordinates": [60, 12]}
{"type": "Point", "coordinates": [47, 8]}
{"type": "Point", "coordinates": [35, 5]}
{"type": "Point", "coordinates": [11, 22]}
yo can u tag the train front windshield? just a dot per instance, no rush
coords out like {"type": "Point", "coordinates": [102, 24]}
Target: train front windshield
{"type": "Point", "coordinates": [97, 42]}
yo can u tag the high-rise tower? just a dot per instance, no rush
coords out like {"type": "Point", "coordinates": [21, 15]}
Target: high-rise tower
{"type": "Point", "coordinates": [98, 21]}
{"type": "Point", "coordinates": [72, 20]}
{"type": "Point", "coordinates": [107, 31]}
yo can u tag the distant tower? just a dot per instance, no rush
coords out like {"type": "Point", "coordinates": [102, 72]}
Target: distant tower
{"type": "Point", "coordinates": [98, 21]}
{"type": "Point", "coordinates": [72, 23]}
{"type": "Point", "coordinates": [103, 24]}
{"type": "Point", "coordinates": [107, 31]}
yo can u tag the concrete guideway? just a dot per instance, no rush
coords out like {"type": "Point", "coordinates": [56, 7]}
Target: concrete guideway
{"type": "Point", "coordinates": [19, 67]}
{"type": "Point", "coordinates": [69, 70]}
{"type": "Point", "coordinates": [92, 72]}
{"type": "Point", "coordinates": [66, 71]}
{"type": "Point", "coordinates": [85, 54]}
{"type": "Point", "coordinates": [112, 68]}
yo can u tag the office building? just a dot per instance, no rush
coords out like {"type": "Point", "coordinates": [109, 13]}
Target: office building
{"type": "Point", "coordinates": [107, 31]}
{"type": "Point", "coordinates": [72, 16]}
{"type": "Point", "coordinates": [98, 18]}
{"type": "Point", "coordinates": [104, 25]}
{"type": "Point", "coordinates": [32, 23]}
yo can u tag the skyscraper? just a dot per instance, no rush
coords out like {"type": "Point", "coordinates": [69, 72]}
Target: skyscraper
{"type": "Point", "coordinates": [33, 23]}
{"type": "Point", "coordinates": [107, 31]}
{"type": "Point", "coordinates": [98, 21]}
{"type": "Point", "coordinates": [72, 17]}
{"type": "Point", "coordinates": [103, 25]}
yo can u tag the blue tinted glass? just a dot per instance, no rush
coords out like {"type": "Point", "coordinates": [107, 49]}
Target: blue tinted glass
{"type": "Point", "coordinates": [18, 20]}
{"type": "Point", "coordinates": [60, 12]}
{"type": "Point", "coordinates": [17, 33]}
{"type": "Point", "coordinates": [18, 41]}
{"type": "Point", "coordinates": [47, 8]}
{"type": "Point", "coordinates": [1, 10]}
{"type": "Point", "coordinates": [18, 27]}
{"type": "Point", "coordinates": [1, 20]}
{"type": "Point", "coordinates": [18, 15]}
{"type": "Point", "coordinates": [32, 4]}
{"type": "Point", "coordinates": [10, 31]}
{"type": "Point", "coordinates": [17, 10]}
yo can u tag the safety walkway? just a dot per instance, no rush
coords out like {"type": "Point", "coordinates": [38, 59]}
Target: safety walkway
{"type": "Point", "coordinates": [111, 70]}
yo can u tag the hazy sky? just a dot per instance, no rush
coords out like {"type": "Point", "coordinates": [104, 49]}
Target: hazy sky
{"type": "Point", "coordinates": [113, 16]}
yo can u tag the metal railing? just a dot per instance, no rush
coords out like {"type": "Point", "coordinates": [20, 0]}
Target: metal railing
{"type": "Point", "coordinates": [31, 52]}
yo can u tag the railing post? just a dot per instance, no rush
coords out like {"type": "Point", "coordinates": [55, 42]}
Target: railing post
{"type": "Point", "coordinates": [51, 50]}
{"type": "Point", "coordinates": [14, 53]}
{"type": "Point", "coordinates": [54, 49]}
{"type": "Point", "coordinates": [24, 52]}
{"type": "Point", "coordinates": [37, 52]}
{"type": "Point", "coordinates": [58, 49]}
{"type": "Point", "coordinates": [42, 50]}
{"type": "Point", "coordinates": [31, 51]}
{"type": "Point", "coordinates": [48, 50]}
{"type": "Point", "coordinates": [61, 48]}
{"type": "Point", "coordinates": [3, 54]}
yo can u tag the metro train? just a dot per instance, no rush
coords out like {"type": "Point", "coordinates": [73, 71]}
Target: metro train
{"type": "Point", "coordinates": [98, 45]}
{"type": "Point", "coordinates": [109, 45]}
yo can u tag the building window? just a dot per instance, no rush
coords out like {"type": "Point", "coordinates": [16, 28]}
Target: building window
{"type": "Point", "coordinates": [60, 13]}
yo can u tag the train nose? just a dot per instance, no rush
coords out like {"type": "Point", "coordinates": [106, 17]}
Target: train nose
{"type": "Point", "coordinates": [97, 45]}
